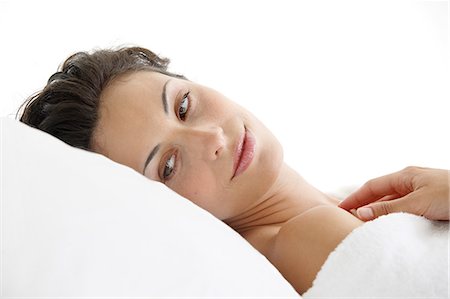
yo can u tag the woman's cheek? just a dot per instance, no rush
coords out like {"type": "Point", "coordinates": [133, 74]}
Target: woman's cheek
{"type": "Point", "coordinates": [200, 187]}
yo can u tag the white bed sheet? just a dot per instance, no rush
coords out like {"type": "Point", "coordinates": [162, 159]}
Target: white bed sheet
{"type": "Point", "coordinates": [76, 224]}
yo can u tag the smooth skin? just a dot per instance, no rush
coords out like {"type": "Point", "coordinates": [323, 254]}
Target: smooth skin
{"type": "Point", "coordinates": [416, 190]}
{"type": "Point", "coordinates": [194, 142]}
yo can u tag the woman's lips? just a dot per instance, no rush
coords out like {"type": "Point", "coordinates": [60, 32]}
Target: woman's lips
{"type": "Point", "coordinates": [244, 153]}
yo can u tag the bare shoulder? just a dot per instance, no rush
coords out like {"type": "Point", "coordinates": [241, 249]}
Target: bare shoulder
{"type": "Point", "coordinates": [328, 219]}
{"type": "Point", "coordinates": [303, 244]}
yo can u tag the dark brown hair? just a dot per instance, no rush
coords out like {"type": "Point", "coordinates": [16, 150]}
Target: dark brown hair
{"type": "Point", "coordinates": [67, 107]}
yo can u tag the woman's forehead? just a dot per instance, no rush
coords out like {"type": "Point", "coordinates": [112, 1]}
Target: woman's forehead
{"type": "Point", "coordinates": [132, 95]}
{"type": "Point", "coordinates": [135, 82]}
{"type": "Point", "coordinates": [131, 109]}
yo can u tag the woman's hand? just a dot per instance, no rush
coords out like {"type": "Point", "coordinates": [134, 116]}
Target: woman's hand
{"type": "Point", "coordinates": [416, 190]}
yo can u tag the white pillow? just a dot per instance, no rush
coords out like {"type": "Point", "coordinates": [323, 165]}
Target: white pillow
{"type": "Point", "coordinates": [75, 223]}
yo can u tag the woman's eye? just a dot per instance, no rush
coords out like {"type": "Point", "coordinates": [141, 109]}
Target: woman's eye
{"type": "Point", "coordinates": [168, 168]}
{"type": "Point", "coordinates": [184, 106]}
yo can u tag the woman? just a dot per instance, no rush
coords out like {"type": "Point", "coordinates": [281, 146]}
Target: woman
{"type": "Point", "coordinates": [125, 105]}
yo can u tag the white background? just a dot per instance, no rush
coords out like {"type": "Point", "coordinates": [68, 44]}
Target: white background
{"type": "Point", "coordinates": [353, 89]}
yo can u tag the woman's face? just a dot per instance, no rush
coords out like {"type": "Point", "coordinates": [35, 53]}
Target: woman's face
{"type": "Point", "coordinates": [188, 136]}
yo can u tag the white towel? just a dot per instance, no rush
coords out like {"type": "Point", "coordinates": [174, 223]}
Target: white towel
{"type": "Point", "coordinates": [399, 255]}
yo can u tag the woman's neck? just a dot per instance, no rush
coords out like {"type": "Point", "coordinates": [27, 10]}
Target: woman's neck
{"type": "Point", "coordinates": [288, 197]}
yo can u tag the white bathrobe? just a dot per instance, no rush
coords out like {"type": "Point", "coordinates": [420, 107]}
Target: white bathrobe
{"type": "Point", "coordinates": [395, 256]}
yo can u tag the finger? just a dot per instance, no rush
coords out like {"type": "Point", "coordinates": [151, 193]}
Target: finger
{"type": "Point", "coordinates": [380, 208]}
{"type": "Point", "coordinates": [390, 186]}
{"type": "Point", "coordinates": [389, 197]}
{"type": "Point", "coordinates": [385, 198]}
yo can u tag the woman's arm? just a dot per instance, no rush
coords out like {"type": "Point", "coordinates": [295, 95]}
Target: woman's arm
{"type": "Point", "coordinates": [303, 244]}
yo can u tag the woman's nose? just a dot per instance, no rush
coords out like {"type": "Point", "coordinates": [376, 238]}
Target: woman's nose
{"type": "Point", "coordinates": [206, 142]}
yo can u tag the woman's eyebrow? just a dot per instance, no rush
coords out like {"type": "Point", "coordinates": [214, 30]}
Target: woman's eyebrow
{"type": "Point", "coordinates": [150, 157]}
{"type": "Point", "coordinates": [164, 98]}
{"type": "Point", "coordinates": [166, 111]}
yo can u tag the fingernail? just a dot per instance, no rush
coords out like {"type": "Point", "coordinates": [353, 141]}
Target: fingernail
{"type": "Point", "coordinates": [365, 213]}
